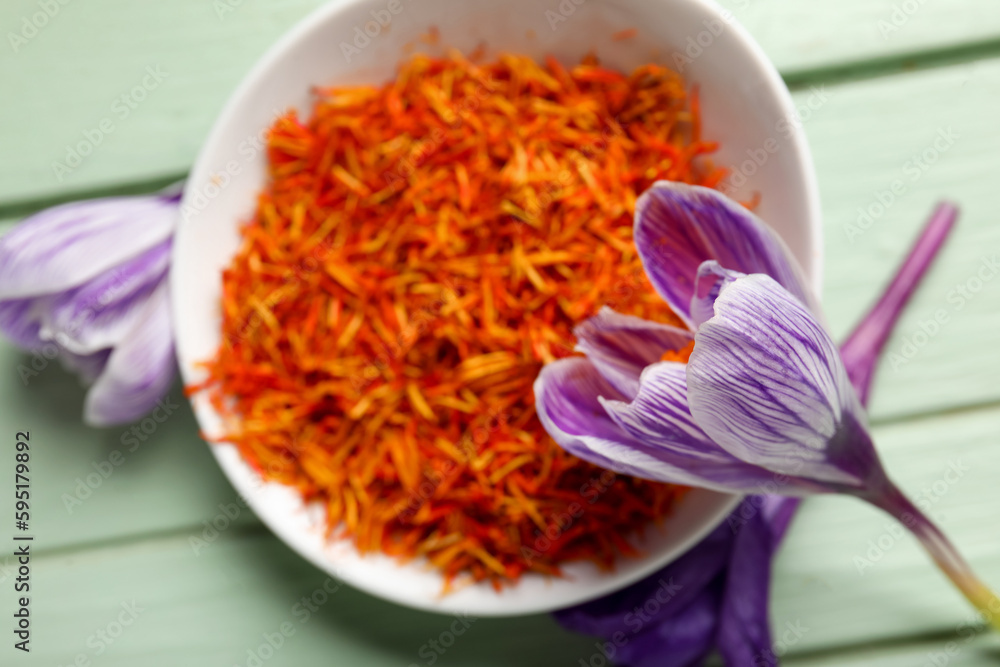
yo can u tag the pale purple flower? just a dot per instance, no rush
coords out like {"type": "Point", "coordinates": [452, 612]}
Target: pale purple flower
{"type": "Point", "coordinates": [722, 584]}
{"type": "Point", "coordinates": [765, 396]}
{"type": "Point", "coordinates": [623, 407]}
{"type": "Point", "coordinates": [86, 282]}
{"type": "Point", "coordinates": [720, 601]}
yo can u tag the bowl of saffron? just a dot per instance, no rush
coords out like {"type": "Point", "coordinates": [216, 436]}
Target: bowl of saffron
{"type": "Point", "coordinates": [398, 218]}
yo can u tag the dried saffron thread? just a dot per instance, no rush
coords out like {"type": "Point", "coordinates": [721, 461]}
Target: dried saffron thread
{"type": "Point", "coordinates": [622, 35]}
{"type": "Point", "coordinates": [422, 248]}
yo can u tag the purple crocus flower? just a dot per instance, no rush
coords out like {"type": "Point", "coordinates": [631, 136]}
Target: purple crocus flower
{"type": "Point", "coordinates": [86, 282]}
{"type": "Point", "coordinates": [765, 399]}
{"type": "Point", "coordinates": [723, 582]}
{"type": "Point", "coordinates": [622, 406]}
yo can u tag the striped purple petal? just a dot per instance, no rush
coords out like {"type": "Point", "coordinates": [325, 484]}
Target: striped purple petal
{"type": "Point", "coordinates": [727, 573]}
{"type": "Point", "coordinates": [679, 226]}
{"type": "Point", "coordinates": [659, 418]}
{"type": "Point", "coordinates": [621, 346]}
{"type": "Point", "coordinates": [140, 369]}
{"type": "Point", "coordinates": [98, 314]}
{"type": "Point", "coordinates": [589, 418]}
{"type": "Point", "coordinates": [63, 247]}
{"type": "Point", "coordinates": [567, 395]}
{"type": "Point", "coordinates": [567, 399]}
{"type": "Point", "coordinates": [766, 382]}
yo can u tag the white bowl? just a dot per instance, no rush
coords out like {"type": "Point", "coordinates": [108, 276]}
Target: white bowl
{"type": "Point", "coordinates": [745, 106]}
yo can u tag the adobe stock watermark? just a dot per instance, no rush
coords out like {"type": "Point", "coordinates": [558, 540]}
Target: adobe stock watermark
{"type": "Point", "coordinates": [225, 7]}
{"type": "Point", "coordinates": [754, 503]}
{"type": "Point", "coordinates": [562, 521]}
{"type": "Point", "coordinates": [302, 612]}
{"type": "Point", "coordinates": [784, 128]}
{"type": "Point", "coordinates": [590, 492]}
{"type": "Point", "coordinates": [560, 13]}
{"type": "Point", "coordinates": [943, 657]}
{"type": "Point", "coordinates": [900, 16]}
{"type": "Point", "coordinates": [468, 444]}
{"type": "Point", "coordinates": [791, 634]}
{"type": "Point", "coordinates": [563, 11]}
{"type": "Point", "coordinates": [912, 171]}
{"type": "Point", "coordinates": [432, 650]}
{"type": "Point", "coordinates": [970, 628]}
{"type": "Point", "coordinates": [930, 495]}
{"type": "Point", "coordinates": [590, 153]}
{"type": "Point", "coordinates": [959, 296]}
{"type": "Point", "coordinates": [976, 620]}
{"type": "Point", "coordinates": [104, 637]}
{"type": "Point", "coordinates": [131, 440]}
{"type": "Point", "coordinates": [635, 620]}
{"type": "Point", "coordinates": [213, 527]}
{"type": "Point", "coordinates": [364, 34]}
{"type": "Point", "coordinates": [697, 44]}
{"type": "Point", "coordinates": [228, 513]}
{"type": "Point", "coordinates": [202, 194]}
{"type": "Point", "coordinates": [398, 176]}
{"type": "Point", "coordinates": [31, 25]}
{"type": "Point", "coordinates": [40, 359]}
{"type": "Point", "coordinates": [122, 107]}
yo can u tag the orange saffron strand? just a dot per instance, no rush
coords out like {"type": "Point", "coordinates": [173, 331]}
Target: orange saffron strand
{"type": "Point", "coordinates": [626, 34]}
{"type": "Point", "coordinates": [422, 248]}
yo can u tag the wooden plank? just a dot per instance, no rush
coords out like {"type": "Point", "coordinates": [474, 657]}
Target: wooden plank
{"type": "Point", "coordinates": [817, 578]}
{"type": "Point", "coordinates": [93, 485]}
{"type": "Point", "coordinates": [227, 605]}
{"type": "Point", "coordinates": [956, 367]}
{"type": "Point", "coordinates": [216, 608]}
{"type": "Point", "coordinates": [928, 134]}
{"type": "Point", "coordinates": [859, 157]}
{"type": "Point", "coordinates": [212, 606]}
{"type": "Point", "coordinates": [848, 573]}
{"type": "Point", "coordinates": [73, 73]}
{"type": "Point", "coordinates": [831, 34]}
{"type": "Point", "coordinates": [221, 608]}
{"type": "Point", "coordinates": [976, 651]}
{"type": "Point", "coordinates": [63, 79]}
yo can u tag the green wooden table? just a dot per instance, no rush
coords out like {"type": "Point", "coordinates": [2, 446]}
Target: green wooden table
{"type": "Point", "coordinates": [115, 579]}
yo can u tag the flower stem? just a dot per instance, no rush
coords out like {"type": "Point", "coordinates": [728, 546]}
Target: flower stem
{"type": "Point", "coordinates": [861, 349]}
{"type": "Point", "coordinates": [860, 352]}
{"type": "Point", "coordinates": [944, 553]}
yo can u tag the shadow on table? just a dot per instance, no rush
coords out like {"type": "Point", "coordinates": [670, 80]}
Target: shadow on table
{"type": "Point", "coordinates": [407, 637]}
